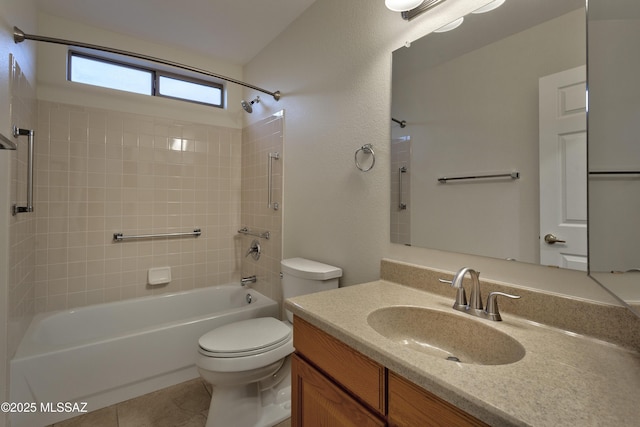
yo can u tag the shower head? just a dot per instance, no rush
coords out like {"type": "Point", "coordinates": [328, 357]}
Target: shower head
{"type": "Point", "coordinates": [247, 106]}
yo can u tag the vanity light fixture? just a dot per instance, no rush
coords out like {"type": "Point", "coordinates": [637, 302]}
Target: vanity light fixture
{"type": "Point", "coordinates": [402, 5]}
{"type": "Point", "coordinates": [409, 9]}
{"type": "Point", "coordinates": [489, 6]}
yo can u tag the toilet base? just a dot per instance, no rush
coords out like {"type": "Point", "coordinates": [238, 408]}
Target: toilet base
{"type": "Point", "coordinates": [259, 404]}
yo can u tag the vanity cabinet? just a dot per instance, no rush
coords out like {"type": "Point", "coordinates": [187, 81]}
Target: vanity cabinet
{"type": "Point", "coordinates": [335, 385]}
{"type": "Point", "coordinates": [411, 405]}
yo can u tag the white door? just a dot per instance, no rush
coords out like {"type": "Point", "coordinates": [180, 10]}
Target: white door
{"type": "Point", "coordinates": [563, 169]}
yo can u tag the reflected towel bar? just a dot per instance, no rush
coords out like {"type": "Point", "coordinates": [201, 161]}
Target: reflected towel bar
{"type": "Point", "coordinates": [119, 236]}
{"type": "Point", "coordinates": [263, 235]}
{"type": "Point", "coordinates": [512, 175]}
{"type": "Point", "coordinates": [614, 172]}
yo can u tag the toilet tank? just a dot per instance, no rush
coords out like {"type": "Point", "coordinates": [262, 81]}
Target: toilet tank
{"type": "Point", "coordinates": [302, 276]}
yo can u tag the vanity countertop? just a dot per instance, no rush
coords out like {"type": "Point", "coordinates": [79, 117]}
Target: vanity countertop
{"type": "Point", "coordinates": [564, 379]}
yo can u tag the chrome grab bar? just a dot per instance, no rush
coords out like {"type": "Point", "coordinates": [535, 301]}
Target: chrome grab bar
{"type": "Point", "coordinates": [512, 175]}
{"type": "Point", "coordinates": [119, 236]}
{"type": "Point", "coordinates": [271, 203]}
{"type": "Point", "coordinates": [401, 206]}
{"type": "Point", "coordinates": [627, 172]}
{"type": "Point", "coordinates": [263, 235]}
{"type": "Point", "coordinates": [31, 134]}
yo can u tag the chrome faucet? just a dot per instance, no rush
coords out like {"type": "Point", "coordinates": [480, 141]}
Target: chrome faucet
{"type": "Point", "coordinates": [474, 307]}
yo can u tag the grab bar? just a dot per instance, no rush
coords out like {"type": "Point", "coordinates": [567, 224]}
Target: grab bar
{"type": "Point", "coordinates": [119, 236]}
{"type": "Point", "coordinates": [31, 134]}
{"type": "Point", "coordinates": [512, 175]}
{"type": "Point", "coordinates": [263, 235]}
{"type": "Point", "coordinates": [401, 206]}
{"type": "Point", "coordinates": [614, 172]}
{"type": "Point", "coordinates": [270, 203]}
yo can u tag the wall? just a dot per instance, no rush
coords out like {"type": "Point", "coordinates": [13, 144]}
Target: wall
{"type": "Point", "coordinates": [102, 172]}
{"type": "Point", "coordinates": [333, 66]}
{"type": "Point", "coordinates": [15, 286]}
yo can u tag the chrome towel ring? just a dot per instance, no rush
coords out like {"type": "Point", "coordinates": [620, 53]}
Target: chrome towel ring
{"type": "Point", "coordinates": [366, 148]}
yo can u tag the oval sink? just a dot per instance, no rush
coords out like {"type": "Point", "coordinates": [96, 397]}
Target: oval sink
{"type": "Point", "coordinates": [445, 335]}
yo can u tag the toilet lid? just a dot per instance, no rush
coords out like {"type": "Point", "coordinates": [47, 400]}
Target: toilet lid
{"type": "Point", "coordinates": [245, 338]}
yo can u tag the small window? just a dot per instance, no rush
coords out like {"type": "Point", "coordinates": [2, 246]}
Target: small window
{"type": "Point", "coordinates": [190, 90]}
{"type": "Point", "coordinates": [111, 74]}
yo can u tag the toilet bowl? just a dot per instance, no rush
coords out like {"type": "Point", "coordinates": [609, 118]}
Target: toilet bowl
{"type": "Point", "coordinates": [248, 362]}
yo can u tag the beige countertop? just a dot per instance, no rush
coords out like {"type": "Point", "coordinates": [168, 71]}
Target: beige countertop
{"type": "Point", "coordinates": [564, 379]}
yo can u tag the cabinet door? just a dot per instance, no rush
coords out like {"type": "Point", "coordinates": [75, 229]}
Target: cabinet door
{"type": "Point", "coordinates": [319, 402]}
{"type": "Point", "coordinates": [411, 405]}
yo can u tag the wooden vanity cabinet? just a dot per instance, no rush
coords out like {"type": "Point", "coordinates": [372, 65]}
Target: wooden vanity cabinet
{"type": "Point", "coordinates": [334, 385]}
{"type": "Point", "coordinates": [410, 405]}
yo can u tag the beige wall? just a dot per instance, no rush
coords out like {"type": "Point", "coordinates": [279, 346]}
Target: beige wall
{"type": "Point", "coordinates": [333, 66]}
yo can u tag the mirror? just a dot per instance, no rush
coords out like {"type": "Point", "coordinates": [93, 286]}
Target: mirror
{"type": "Point", "coordinates": [466, 103]}
{"type": "Point", "coordinates": [614, 151]}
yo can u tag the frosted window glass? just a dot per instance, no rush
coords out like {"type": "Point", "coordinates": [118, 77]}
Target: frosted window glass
{"type": "Point", "coordinates": [114, 76]}
{"type": "Point", "coordinates": [176, 88]}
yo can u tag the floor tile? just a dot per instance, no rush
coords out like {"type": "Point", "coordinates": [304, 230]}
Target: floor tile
{"type": "Point", "coordinates": [105, 417]}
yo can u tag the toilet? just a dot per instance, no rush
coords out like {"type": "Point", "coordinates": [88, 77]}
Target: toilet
{"type": "Point", "coordinates": [248, 362]}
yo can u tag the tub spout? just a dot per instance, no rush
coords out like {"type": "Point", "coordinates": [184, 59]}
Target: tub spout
{"type": "Point", "coordinates": [246, 280]}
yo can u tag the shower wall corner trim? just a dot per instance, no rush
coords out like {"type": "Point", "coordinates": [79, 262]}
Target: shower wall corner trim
{"type": "Point", "coordinates": [19, 36]}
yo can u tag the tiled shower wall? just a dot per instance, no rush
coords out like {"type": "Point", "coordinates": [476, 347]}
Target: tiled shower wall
{"type": "Point", "coordinates": [401, 218]}
{"type": "Point", "coordinates": [22, 253]}
{"type": "Point", "coordinates": [260, 139]}
{"type": "Point", "coordinates": [102, 172]}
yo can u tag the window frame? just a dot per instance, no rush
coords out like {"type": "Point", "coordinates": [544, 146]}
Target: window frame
{"type": "Point", "coordinates": [156, 73]}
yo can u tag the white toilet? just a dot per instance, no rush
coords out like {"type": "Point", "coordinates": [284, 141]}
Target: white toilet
{"type": "Point", "coordinates": [248, 362]}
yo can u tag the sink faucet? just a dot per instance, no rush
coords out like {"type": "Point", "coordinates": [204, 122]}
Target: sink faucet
{"type": "Point", "coordinates": [474, 307]}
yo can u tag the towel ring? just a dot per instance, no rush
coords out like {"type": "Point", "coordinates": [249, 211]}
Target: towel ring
{"type": "Point", "coordinates": [366, 148]}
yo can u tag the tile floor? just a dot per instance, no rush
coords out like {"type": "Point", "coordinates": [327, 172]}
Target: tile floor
{"type": "Point", "coordinates": [183, 405]}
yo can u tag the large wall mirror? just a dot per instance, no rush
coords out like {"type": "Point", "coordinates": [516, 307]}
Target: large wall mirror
{"type": "Point", "coordinates": [489, 138]}
{"type": "Point", "coordinates": [614, 147]}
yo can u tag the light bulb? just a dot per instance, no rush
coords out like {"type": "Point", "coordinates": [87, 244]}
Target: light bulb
{"type": "Point", "coordinates": [402, 5]}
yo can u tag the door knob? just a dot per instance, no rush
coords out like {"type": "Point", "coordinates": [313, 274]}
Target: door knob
{"type": "Point", "coordinates": [551, 239]}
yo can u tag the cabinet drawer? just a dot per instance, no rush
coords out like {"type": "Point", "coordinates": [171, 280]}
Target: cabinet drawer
{"type": "Point", "coordinates": [411, 405]}
{"type": "Point", "coordinates": [319, 402]}
{"type": "Point", "coordinates": [357, 373]}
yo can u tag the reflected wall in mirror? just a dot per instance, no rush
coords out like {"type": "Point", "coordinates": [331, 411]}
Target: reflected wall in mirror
{"type": "Point", "coordinates": [470, 100]}
{"type": "Point", "coordinates": [614, 146]}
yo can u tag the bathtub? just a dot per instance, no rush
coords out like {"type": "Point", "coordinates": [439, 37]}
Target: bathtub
{"type": "Point", "coordinates": [95, 356]}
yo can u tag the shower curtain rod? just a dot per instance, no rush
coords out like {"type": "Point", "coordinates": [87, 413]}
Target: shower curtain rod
{"type": "Point", "coordinates": [19, 36]}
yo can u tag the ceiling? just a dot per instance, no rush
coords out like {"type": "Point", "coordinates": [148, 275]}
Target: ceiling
{"type": "Point", "coordinates": [229, 30]}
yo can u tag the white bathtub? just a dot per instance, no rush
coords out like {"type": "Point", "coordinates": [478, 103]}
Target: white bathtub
{"type": "Point", "coordinates": [107, 353]}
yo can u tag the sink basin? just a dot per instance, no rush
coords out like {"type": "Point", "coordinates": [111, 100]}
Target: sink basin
{"type": "Point", "coordinates": [446, 335]}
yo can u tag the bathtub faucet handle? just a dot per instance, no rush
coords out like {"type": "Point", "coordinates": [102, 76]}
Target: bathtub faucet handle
{"type": "Point", "coordinates": [255, 250]}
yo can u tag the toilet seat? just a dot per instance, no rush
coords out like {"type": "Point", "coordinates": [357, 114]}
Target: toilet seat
{"type": "Point", "coordinates": [245, 338]}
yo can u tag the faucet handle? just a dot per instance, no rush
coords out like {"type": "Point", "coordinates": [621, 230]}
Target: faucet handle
{"type": "Point", "coordinates": [461, 296]}
{"type": "Point", "coordinates": [492, 304]}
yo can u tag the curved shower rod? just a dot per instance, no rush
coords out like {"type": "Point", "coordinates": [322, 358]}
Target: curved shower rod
{"type": "Point", "coordinates": [19, 36]}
